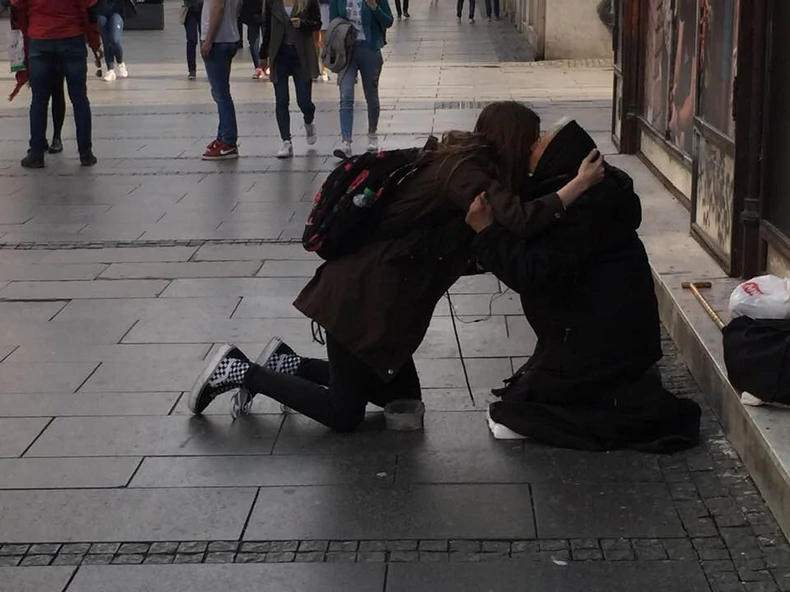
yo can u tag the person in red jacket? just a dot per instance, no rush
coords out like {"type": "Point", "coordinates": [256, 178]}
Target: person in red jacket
{"type": "Point", "coordinates": [56, 31]}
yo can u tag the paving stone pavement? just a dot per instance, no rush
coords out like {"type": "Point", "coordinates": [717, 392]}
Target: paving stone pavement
{"type": "Point", "coordinates": [117, 282]}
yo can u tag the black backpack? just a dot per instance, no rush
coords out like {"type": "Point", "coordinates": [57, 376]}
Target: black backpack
{"type": "Point", "coordinates": [757, 356]}
{"type": "Point", "coordinates": [343, 217]}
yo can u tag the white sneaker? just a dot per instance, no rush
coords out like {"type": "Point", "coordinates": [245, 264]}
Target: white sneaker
{"type": "Point", "coordinates": [286, 150]}
{"type": "Point", "coordinates": [122, 71]}
{"type": "Point", "coordinates": [373, 143]}
{"type": "Point", "coordinates": [110, 76]}
{"type": "Point", "coordinates": [311, 133]}
{"type": "Point", "coordinates": [325, 77]}
{"type": "Point", "coordinates": [345, 148]}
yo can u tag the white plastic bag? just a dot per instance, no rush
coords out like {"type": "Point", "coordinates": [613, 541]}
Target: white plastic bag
{"type": "Point", "coordinates": [763, 297]}
{"type": "Point", "coordinates": [16, 50]}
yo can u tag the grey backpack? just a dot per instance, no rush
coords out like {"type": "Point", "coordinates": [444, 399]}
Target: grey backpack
{"type": "Point", "coordinates": [340, 38]}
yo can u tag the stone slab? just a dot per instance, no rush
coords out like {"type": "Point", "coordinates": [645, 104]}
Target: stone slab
{"type": "Point", "coordinates": [214, 287]}
{"type": "Point", "coordinates": [271, 307]}
{"type": "Point", "coordinates": [304, 269]}
{"type": "Point", "coordinates": [50, 272]}
{"type": "Point", "coordinates": [35, 579]}
{"type": "Point", "coordinates": [144, 375]}
{"type": "Point", "coordinates": [303, 577]}
{"type": "Point", "coordinates": [29, 311]}
{"type": "Point", "coordinates": [67, 290]}
{"type": "Point", "coordinates": [638, 510]}
{"type": "Point", "coordinates": [156, 436]}
{"type": "Point", "coordinates": [182, 309]}
{"type": "Point", "coordinates": [655, 576]}
{"type": "Point", "coordinates": [253, 253]}
{"type": "Point", "coordinates": [271, 471]}
{"type": "Point", "coordinates": [23, 377]}
{"type": "Point", "coordinates": [449, 373]}
{"type": "Point", "coordinates": [119, 255]}
{"type": "Point", "coordinates": [74, 333]}
{"type": "Point", "coordinates": [420, 512]}
{"type": "Point", "coordinates": [66, 473]}
{"type": "Point", "coordinates": [444, 432]}
{"type": "Point", "coordinates": [131, 353]}
{"type": "Point", "coordinates": [86, 404]}
{"type": "Point", "coordinates": [16, 434]}
{"type": "Point", "coordinates": [100, 515]}
{"type": "Point", "coordinates": [179, 270]}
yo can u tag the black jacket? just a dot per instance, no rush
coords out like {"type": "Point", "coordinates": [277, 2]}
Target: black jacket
{"type": "Point", "coordinates": [588, 293]}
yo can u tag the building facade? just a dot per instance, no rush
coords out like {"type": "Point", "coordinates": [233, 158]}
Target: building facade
{"type": "Point", "coordinates": [702, 95]}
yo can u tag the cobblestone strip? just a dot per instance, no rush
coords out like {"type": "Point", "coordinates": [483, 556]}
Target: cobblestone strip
{"type": "Point", "coordinates": [69, 245]}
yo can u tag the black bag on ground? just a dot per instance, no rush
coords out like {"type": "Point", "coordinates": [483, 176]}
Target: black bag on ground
{"type": "Point", "coordinates": [757, 356]}
{"type": "Point", "coordinates": [345, 209]}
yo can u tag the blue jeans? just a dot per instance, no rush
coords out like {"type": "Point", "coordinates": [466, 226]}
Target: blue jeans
{"type": "Point", "coordinates": [47, 57]}
{"type": "Point", "coordinates": [192, 29]}
{"type": "Point", "coordinates": [368, 63]}
{"type": "Point", "coordinates": [254, 33]}
{"type": "Point", "coordinates": [287, 65]}
{"type": "Point", "coordinates": [112, 37]}
{"type": "Point", "coordinates": [218, 65]}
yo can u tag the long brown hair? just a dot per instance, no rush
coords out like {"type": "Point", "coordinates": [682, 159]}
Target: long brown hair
{"type": "Point", "coordinates": [504, 133]}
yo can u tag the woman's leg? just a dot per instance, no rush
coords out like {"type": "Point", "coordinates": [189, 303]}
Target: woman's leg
{"type": "Point", "coordinates": [116, 34]}
{"type": "Point", "coordinates": [106, 40]}
{"type": "Point", "coordinates": [346, 83]}
{"type": "Point", "coordinates": [341, 406]}
{"type": "Point", "coordinates": [370, 65]}
{"type": "Point", "coordinates": [303, 85]}
{"type": "Point", "coordinates": [460, 7]}
{"type": "Point", "coordinates": [254, 41]}
{"type": "Point", "coordinates": [58, 107]}
{"type": "Point", "coordinates": [192, 30]}
{"type": "Point", "coordinates": [398, 8]}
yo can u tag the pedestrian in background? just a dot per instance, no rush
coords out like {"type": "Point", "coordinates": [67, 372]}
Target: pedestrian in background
{"type": "Point", "coordinates": [371, 19]}
{"type": "Point", "coordinates": [288, 50]}
{"type": "Point", "coordinates": [190, 18]}
{"type": "Point", "coordinates": [220, 32]}
{"type": "Point", "coordinates": [496, 10]}
{"type": "Point", "coordinates": [252, 16]}
{"type": "Point", "coordinates": [112, 16]}
{"type": "Point", "coordinates": [56, 34]}
{"type": "Point", "coordinates": [402, 10]}
{"type": "Point", "coordinates": [460, 10]}
{"type": "Point", "coordinates": [320, 36]}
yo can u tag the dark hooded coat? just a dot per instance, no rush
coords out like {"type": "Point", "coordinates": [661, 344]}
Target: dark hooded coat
{"type": "Point", "coordinates": [588, 293]}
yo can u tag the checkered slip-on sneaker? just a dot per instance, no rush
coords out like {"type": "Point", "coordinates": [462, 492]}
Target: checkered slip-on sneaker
{"type": "Point", "coordinates": [278, 357]}
{"type": "Point", "coordinates": [224, 372]}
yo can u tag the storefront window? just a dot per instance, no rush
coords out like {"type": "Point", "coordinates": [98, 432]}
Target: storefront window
{"type": "Point", "coordinates": [682, 93]}
{"type": "Point", "coordinates": [718, 46]}
{"type": "Point", "coordinates": [656, 61]}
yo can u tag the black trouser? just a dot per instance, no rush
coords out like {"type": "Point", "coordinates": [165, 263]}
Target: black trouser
{"type": "Point", "coordinates": [404, 10]}
{"type": "Point", "coordinates": [496, 8]}
{"type": "Point", "coordinates": [58, 104]}
{"type": "Point", "coordinates": [471, 8]}
{"type": "Point", "coordinates": [334, 393]}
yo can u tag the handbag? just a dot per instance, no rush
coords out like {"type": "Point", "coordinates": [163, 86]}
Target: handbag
{"type": "Point", "coordinates": [757, 356]}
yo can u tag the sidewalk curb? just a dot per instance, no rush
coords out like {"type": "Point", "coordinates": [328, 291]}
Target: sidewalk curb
{"type": "Point", "coordinates": [746, 437]}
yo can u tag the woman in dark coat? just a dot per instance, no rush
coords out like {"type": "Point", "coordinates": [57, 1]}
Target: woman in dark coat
{"type": "Point", "coordinates": [376, 303]}
{"type": "Point", "coordinates": [288, 51]}
{"type": "Point", "coordinates": [191, 20]}
{"type": "Point", "coordinates": [588, 293]}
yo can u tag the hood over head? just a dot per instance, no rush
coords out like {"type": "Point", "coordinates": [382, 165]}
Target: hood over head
{"type": "Point", "coordinates": [560, 162]}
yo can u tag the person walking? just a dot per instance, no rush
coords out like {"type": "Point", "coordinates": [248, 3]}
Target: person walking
{"type": "Point", "coordinates": [288, 51]}
{"type": "Point", "coordinates": [496, 9]}
{"type": "Point", "coordinates": [460, 10]}
{"type": "Point", "coordinates": [56, 34]}
{"type": "Point", "coordinates": [220, 32]}
{"type": "Point", "coordinates": [252, 16]}
{"type": "Point", "coordinates": [58, 94]}
{"type": "Point", "coordinates": [320, 36]}
{"type": "Point", "coordinates": [112, 15]}
{"type": "Point", "coordinates": [403, 11]}
{"type": "Point", "coordinates": [371, 19]}
{"type": "Point", "coordinates": [190, 16]}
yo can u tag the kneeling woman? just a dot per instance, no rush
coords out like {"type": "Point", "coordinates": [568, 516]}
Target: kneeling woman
{"type": "Point", "coordinates": [376, 304]}
{"type": "Point", "coordinates": [288, 51]}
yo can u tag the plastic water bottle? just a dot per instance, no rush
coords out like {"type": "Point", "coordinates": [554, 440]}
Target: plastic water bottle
{"type": "Point", "coordinates": [365, 199]}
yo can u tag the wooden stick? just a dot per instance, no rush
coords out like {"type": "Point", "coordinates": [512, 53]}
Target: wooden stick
{"type": "Point", "coordinates": [695, 288]}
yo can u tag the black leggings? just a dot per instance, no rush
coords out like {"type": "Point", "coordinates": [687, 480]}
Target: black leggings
{"type": "Point", "coordinates": [334, 393]}
{"type": "Point", "coordinates": [58, 104]}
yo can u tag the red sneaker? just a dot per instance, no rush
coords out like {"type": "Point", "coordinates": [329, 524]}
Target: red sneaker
{"type": "Point", "coordinates": [220, 151]}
